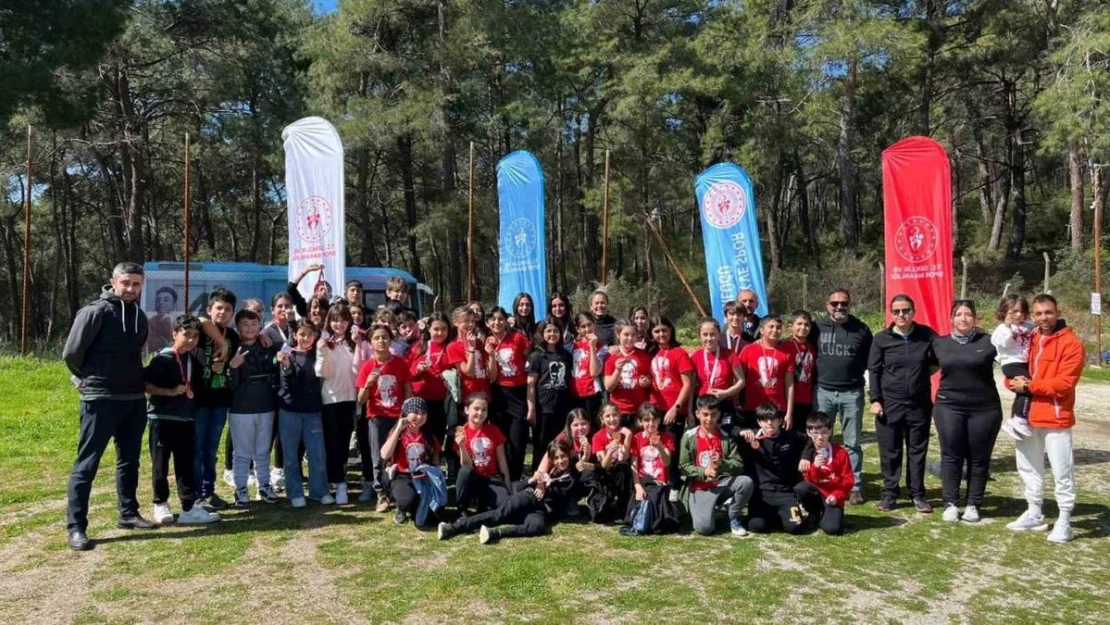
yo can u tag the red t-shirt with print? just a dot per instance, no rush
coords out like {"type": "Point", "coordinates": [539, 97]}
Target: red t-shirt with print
{"type": "Point", "coordinates": [414, 450]}
{"type": "Point", "coordinates": [716, 369]}
{"type": "Point", "coordinates": [765, 371]}
{"type": "Point", "coordinates": [428, 385]}
{"type": "Point", "coordinates": [667, 368]}
{"type": "Point", "coordinates": [628, 395]}
{"type": "Point", "coordinates": [388, 394]}
{"type": "Point", "coordinates": [805, 366]}
{"type": "Point", "coordinates": [482, 446]}
{"type": "Point", "coordinates": [512, 355]}
{"type": "Point", "coordinates": [707, 449]}
{"type": "Point", "coordinates": [585, 385]}
{"type": "Point", "coordinates": [471, 384]}
{"type": "Point", "coordinates": [646, 459]}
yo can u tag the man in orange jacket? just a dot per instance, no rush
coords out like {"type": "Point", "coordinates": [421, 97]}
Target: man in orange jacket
{"type": "Point", "coordinates": [1056, 360]}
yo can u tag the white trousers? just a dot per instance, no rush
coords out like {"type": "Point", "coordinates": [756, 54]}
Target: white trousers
{"type": "Point", "coordinates": [1030, 465]}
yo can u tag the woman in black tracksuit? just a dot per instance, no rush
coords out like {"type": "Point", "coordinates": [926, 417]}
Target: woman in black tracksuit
{"type": "Point", "coordinates": [898, 370]}
{"type": "Point", "coordinates": [968, 411]}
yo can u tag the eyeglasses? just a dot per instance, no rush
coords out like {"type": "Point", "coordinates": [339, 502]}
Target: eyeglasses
{"type": "Point", "coordinates": [898, 312]}
{"type": "Point", "coordinates": [839, 304]}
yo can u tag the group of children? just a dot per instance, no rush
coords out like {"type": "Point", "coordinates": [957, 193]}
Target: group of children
{"type": "Point", "coordinates": [616, 412]}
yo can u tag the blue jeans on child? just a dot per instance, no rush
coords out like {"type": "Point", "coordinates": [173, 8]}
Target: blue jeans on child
{"type": "Point", "coordinates": [295, 427]}
{"type": "Point", "coordinates": [209, 423]}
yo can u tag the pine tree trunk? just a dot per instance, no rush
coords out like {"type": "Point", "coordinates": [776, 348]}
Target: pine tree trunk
{"type": "Point", "coordinates": [849, 220]}
{"type": "Point", "coordinates": [1075, 177]}
{"type": "Point", "coordinates": [1017, 234]}
{"type": "Point", "coordinates": [404, 149]}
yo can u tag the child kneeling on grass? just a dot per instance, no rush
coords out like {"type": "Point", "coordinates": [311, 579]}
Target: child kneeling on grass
{"type": "Point", "coordinates": [828, 478]}
{"type": "Point", "coordinates": [711, 465]}
{"type": "Point", "coordinates": [417, 485]}
{"type": "Point", "coordinates": [169, 382]}
{"type": "Point", "coordinates": [538, 502]}
{"type": "Point", "coordinates": [651, 510]}
{"type": "Point", "coordinates": [777, 454]}
{"type": "Point", "coordinates": [609, 484]}
{"type": "Point", "coordinates": [299, 418]}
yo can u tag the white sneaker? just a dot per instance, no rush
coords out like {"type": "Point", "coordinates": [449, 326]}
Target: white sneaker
{"type": "Point", "coordinates": [1008, 428]}
{"type": "Point", "coordinates": [951, 513]}
{"type": "Point", "coordinates": [1021, 426]}
{"type": "Point", "coordinates": [1028, 522]}
{"type": "Point", "coordinates": [971, 515]}
{"type": "Point", "coordinates": [297, 502]}
{"type": "Point", "coordinates": [229, 477]}
{"type": "Point", "coordinates": [1061, 532]}
{"type": "Point", "coordinates": [327, 500]}
{"type": "Point", "coordinates": [252, 479]}
{"type": "Point", "coordinates": [737, 529]}
{"type": "Point", "coordinates": [673, 496]}
{"type": "Point", "coordinates": [162, 514]}
{"type": "Point", "coordinates": [341, 493]}
{"type": "Point", "coordinates": [197, 515]}
{"type": "Point", "coordinates": [277, 479]}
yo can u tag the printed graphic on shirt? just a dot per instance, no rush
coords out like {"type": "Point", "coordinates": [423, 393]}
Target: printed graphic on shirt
{"type": "Point", "coordinates": [414, 453]}
{"type": "Point", "coordinates": [505, 359]}
{"type": "Point", "coordinates": [628, 373]}
{"type": "Point", "coordinates": [387, 390]}
{"type": "Point", "coordinates": [707, 458]}
{"type": "Point", "coordinates": [803, 366]}
{"type": "Point", "coordinates": [480, 448]}
{"type": "Point", "coordinates": [768, 371]}
{"type": "Point", "coordinates": [581, 360]}
{"type": "Point", "coordinates": [557, 375]}
{"type": "Point", "coordinates": [480, 370]}
{"type": "Point", "coordinates": [650, 463]}
{"type": "Point", "coordinates": [661, 371]}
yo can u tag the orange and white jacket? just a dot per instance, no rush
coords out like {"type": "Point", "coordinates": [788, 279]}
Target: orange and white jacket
{"type": "Point", "coordinates": [1055, 364]}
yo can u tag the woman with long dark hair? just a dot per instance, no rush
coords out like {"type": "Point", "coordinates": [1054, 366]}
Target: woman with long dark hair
{"type": "Point", "coordinates": [523, 315]}
{"type": "Point", "coordinates": [560, 311]}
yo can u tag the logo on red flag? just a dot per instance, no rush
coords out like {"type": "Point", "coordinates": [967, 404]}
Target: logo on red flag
{"type": "Point", "coordinates": [725, 204]}
{"type": "Point", "coordinates": [916, 239]}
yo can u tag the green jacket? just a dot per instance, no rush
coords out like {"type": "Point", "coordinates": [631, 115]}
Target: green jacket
{"type": "Point", "coordinates": [688, 460]}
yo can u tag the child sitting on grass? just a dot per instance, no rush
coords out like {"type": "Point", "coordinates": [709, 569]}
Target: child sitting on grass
{"type": "Point", "coordinates": [828, 478]}
{"type": "Point", "coordinates": [417, 484]}
{"type": "Point", "coordinates": [710, 463]}
{"type": "Point", "coordinates": [610, 483]}
{"type": "Point", "coordinates": [536, 504]}
{"type": "Point", "coordinates": [651, 510]}
{"type": "Point", "coordinates": [169, 382]}
{"type": "Point", "coordinates": [777, 454]}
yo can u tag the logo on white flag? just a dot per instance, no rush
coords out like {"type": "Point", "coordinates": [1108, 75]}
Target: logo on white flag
{"type": "Point", "coordinates": [522, 238]}
{"type": "Point", "coordinates": [313, 218]}
{"type": "Point", "coordinates": [724, 204]}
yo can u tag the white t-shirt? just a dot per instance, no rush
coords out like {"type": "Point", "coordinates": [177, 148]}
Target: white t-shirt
{"type": "Point", "coordinates": [1012, 342]}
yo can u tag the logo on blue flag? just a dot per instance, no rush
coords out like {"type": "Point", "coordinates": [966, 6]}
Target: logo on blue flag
{"type": "Point", "coordinates": [523, 266]}
{"type": "Point", "coordinates": [730, 234]}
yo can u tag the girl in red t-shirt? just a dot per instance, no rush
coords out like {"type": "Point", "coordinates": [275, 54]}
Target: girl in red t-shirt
{"type": "Point", "coordinates": [673, 384]}
{"type": "Point", "coordinates": [408, 447]}
{"type": "Point", "coordinates": [427, 362]}
{"type": "Point", "coordinates": [467, 355]}
{"type": "Point", "coordinates": [484, 474]}
{"type": "Point", "coordinates": [805, 366]}
{"type": "Point", "coordinates": [719, 371]}
{"type": "Point", "coordinates": [768, 373]}
{"type": "Point", "coordinates": [383, 383]}
{"type": "Point", "coordinates": [627, 373]}
{"type": "Point", "coordinates": [651, 452]}
{"type": "Point", "coordinates": [577, 432]}
{"type": "Point", "coordinates": [586, 358]}
{"type": "Point", "coordinates": [610, 483]}
{"type": "Point", "coordinates": [509, 354]}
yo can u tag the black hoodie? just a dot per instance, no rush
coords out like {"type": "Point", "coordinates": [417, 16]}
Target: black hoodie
{"type": "Point", "coordinates": [104, 350]}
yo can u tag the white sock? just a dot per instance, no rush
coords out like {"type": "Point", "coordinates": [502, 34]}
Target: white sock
{"type": "Point", "coordinates": [1065, 517]}
{"type": "Point", "coordinates": [1035, 509]}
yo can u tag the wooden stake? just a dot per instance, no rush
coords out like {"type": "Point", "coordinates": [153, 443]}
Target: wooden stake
{"type": "Point", "coordinates": [963, 280]}
{"type": "Point", "coordinates": [1097, 226]}
{"type": "Point", "coordinates": [674, 267]}
{"type": "Point", "coordinates": [1047, 267]}
{"type": "Point", "coordinates": [188, 202]}
{"type": "Point", "coordinates": [605, 226]}
{"type": "Point", "coordinates": [26, 249]}
{"type": "Point", "coordinates": [470, 231]}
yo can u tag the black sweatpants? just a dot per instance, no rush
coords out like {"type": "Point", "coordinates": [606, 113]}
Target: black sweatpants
{"type": "Point", "coordinates": [546, 429]}
{"type": "Point", "coordinates": [967, 437]}
{"type": "Point", "coordinates": [510, 415]}
{"type": "Point", "coordinates": [526, 516]}
{"type": "Point", "coordinates": [362, 439]}
{"type": "Point", "coordinates": [103, 420]}
{"type": "Point", "coordinates": [404, 493]}
{"type": "Point", "coordinates": [485, 492]}
{"type": "Point", "coordinates": [1020, 408]}
{"type": "Point", "coordinates": [829, 518]}
{"type": "Point", "coordinates": [904, 428]}
{"type": "Point", "coordinates": [337, 420]}
{"type": "Point", "coordinates": [172, 438]}
{"type": "Point", "coordinates": [773, 510]}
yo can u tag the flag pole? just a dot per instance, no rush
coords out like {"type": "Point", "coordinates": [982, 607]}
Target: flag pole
{"type": "Point", "coordinates": [188, 201]}
{"type": "Point", "coordinates": [26, 249]}
{"type": "Point", "coordinates": [674, 267]}
{"type": "Point", "coordinates": [470, 230]}
{"type": "Point", "coordinates": [605, 226]}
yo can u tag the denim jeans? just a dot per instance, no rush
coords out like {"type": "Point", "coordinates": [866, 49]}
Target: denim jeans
{"type": "Point", "coordinates": [209, 424]}
{"type": "Point", "coordinates": [849, 405]}
{"type": "Point", "coordinates": [306, 427]}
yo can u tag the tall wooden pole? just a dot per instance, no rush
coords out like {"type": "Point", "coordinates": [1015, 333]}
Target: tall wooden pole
{"type": "Point", "coordinates": [26, 249]}
{"type": "Point", "coordinates": [605, 226]}
{"type": "Point", "coordinates": [674, 267]}
{"type": "Point", "coordinates": [188, 202]}
{"type": "Point", "coordinates": [1098, 254]}
{"type": "Point", "coordinates": [470, 231]}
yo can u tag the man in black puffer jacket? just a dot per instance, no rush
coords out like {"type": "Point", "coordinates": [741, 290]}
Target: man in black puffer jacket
{"type": "Point", "coordinates": [104, 352]}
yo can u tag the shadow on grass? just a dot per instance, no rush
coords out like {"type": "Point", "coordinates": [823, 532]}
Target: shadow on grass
{"type": "Point", "coordinates": [253, 520]}
{"type": "Point", "coordinates": [856, 524]}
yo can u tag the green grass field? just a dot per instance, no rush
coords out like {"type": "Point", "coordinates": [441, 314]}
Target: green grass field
{"type": "Point", "coordinates": [276, 565]}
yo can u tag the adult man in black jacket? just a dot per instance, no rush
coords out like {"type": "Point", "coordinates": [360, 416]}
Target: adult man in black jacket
{"type": "Point", "coordinates": [104, 351]}
{"type": "Point", "coordinates": [843, 343]}
{"type": "Point", "coordinates": [899, 367]}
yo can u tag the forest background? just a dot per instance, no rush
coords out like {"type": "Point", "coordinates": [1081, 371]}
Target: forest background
{"type": "Point", "coordinates": [804, 94]}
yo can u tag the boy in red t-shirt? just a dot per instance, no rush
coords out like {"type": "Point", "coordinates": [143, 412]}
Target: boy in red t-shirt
{"type": "Point", "coordinates": [828, 478]}
{"type": "Point", "coordinates": [414, 454]}
{"type": "Point", "coordinates": [805, 366]}
{"type": "Point", "coordinates": [484, 471]}
{"type": "Point", "coordinates": [768, 373]}
{"type": "Point", "coordinates": [710, 463]}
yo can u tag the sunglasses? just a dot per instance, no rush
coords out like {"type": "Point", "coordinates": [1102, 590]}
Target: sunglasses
{"type": "Point", "coordinates": [898, 312]}
{"type": "Point", "coordinates": [839, 304]}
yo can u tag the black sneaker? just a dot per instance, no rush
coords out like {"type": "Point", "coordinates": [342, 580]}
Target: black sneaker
{"type": "Point", "coordinates": [400, 517]}
{"type": "Point", "coordinates": [136, 522]}
{"type": "Point", "coordinates": [267, 494]}
{"type": "Point", "coordinates": [886, 504]}
{"type": "Point", "coordinates": [922, 506]}
{"type": "Point", "coordinates": [214, 503]}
